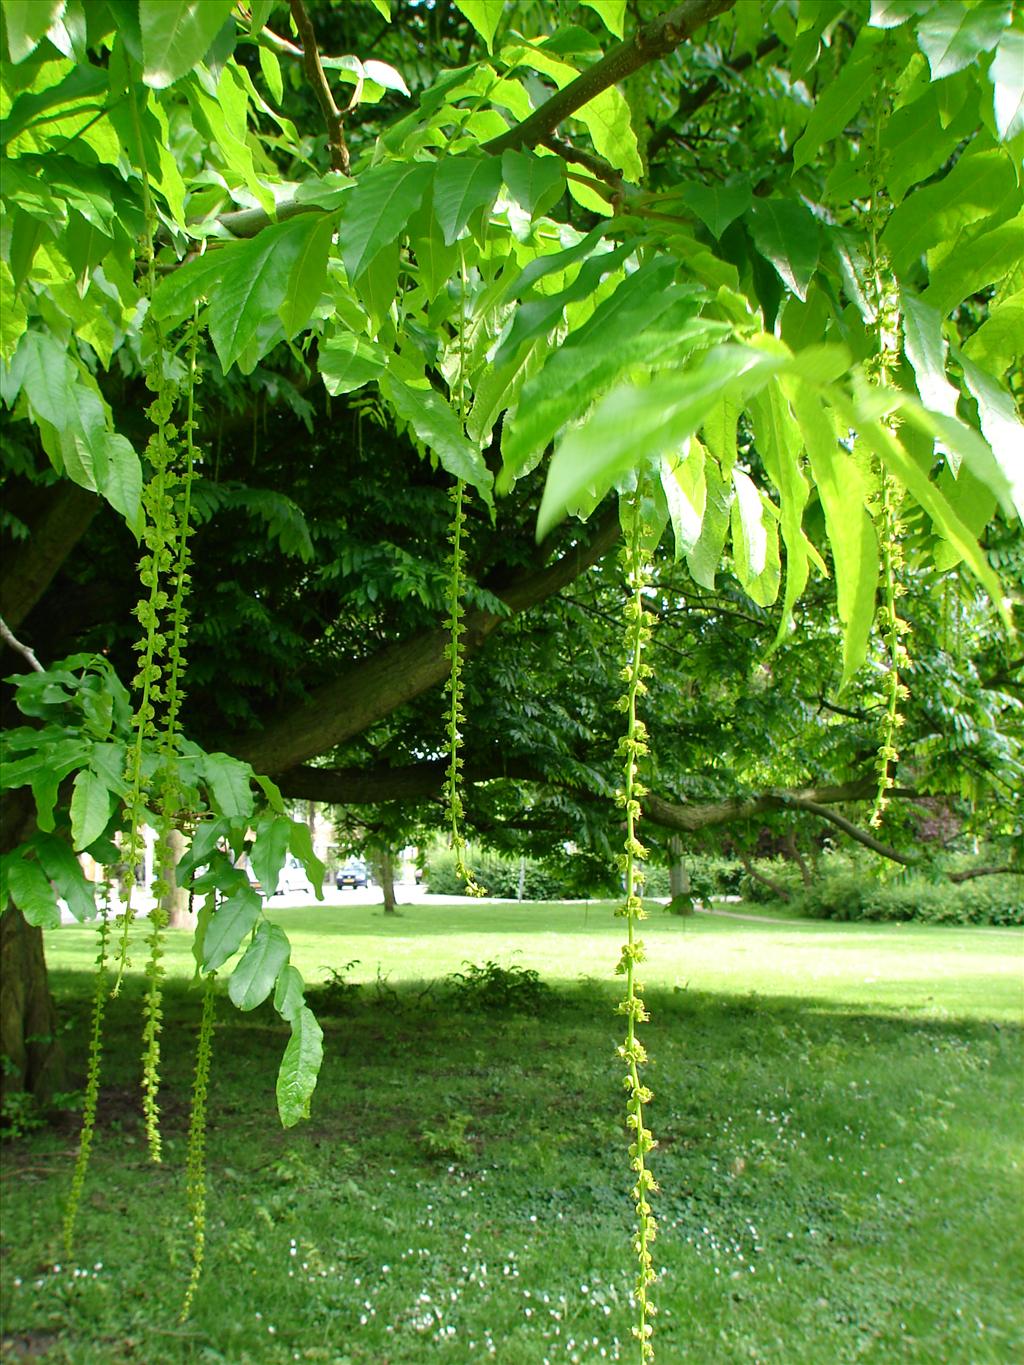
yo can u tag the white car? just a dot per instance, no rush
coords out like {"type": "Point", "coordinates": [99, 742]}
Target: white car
{"type": "Point", "coordinates": [293, 880]}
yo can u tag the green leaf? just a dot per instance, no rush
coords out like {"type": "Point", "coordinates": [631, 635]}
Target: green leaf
{"type": "Point", "coordinates": [644, 321]}
{"type": "Point", "coordinates": [631, 426]}
{"type": "Point", "coordinates": [787, 234]}
{"type": "Point", "coordinates": [919, 137]}
{"type": "Point", "coordinates": [300, 844]}
{"type": "Point", "coordinates": [383, 8]}
{"type": "Point", "coordinates": [892, 13]}
{"type": "Point", "coordinates": [386, 76]}
{"type": "Point", "coordinates": [347, 362]}
{"type": "Point", "coordinates": [176, 294]}
{"type": "Point", "coordinates": [26, 22]}
{"type": "Point", "coordinates": [254, 282]}
{"type": "Point", "coordinates": [612, 14]}
{"type": "Point", "coordinates": [65, 872]}
{"type": "Point", "coordinates": [90, 809]}
{"type": "Point", "coordinates": [271, 68]}
{"type": "Point", "coordinates": [1007, 76]}
{"type": "Point", "coordinates": [269, 849]}
{"type": "Point", "coordinates": [484, 15]}
{"type": "Point", "coordinates": [843, 491]}
{"type": "Point", "coordinates": [376, 211]}
{"type": "Point", "coordinates": [231, 921]}
{"type": "Point", "coordinates": [685, 487]}
{"type": "Point", "coordinates": [536, 316]}
{"type": "Point", "coordinates": [988, 259]}
{"type": "Point", "coordinates": [718, 205]}
{"type": "Point", "coordinates": [259, 11]}
{"type": "Point", "coordinates": [534, 182]}
{"type": "Point", "coordinates": [228, 782]}
{"type": "Point", "coordinates": [436, 261]}
{"type": "Point", "coordinates": [258, 968]}
{"type": "Point", "coordinates": [995, 346]}
{"type": "Point", "coordinates": [777, 437]}
{"type": "Point", "coordinates": [705, 557]}
{"type": "Point", "coordinates": [463, 184]}
{"type": "Point", "coordinates": [434, 422]}
{"type": "Point", "coordinates": [300, 1068]}
{"type": "Point", "coordinates": [30, 889]}
{"type": "Point", "coordinates": [844, 95]}
{"type": "Point", "coordinates": [308, 275]}
{"type": "Point", "coordinates": [271, 791]}
{"type": "Point", "coordinates": [1003, 432]}
{"type": "Point", "coordinates": [975, 188]}
{"type": "Point", "coordinates": [755, 542]}
{"type": "Point", "coordinates": [926, 350]}
{"type": "Point", "coordinates": [176, 35]}
{"type": "Point", "coordinates": [952, 35]}
{"type": "Point", "coordinates": [947, 523]}
{"type": "Point", "coordinates": [13, 317]}
{"type": "Point", "coordinates": [289, 994]}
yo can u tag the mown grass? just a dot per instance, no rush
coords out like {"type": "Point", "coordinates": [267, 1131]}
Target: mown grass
{"type": "Point", "coordinates": [837, 1107]}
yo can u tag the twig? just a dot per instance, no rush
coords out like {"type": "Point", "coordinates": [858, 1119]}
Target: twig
{"type": "Point", "coordinates": [333, 117]}
{"type": "Point", "coordinates": [691, 101]}
{"type": "Point", "coordinates": [9, 638]}
{"type": "Point", "coordinates": [651, 41]}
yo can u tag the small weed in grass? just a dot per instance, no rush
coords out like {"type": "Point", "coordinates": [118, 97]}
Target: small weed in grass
{"type": "Point", "coordinates": [493, 987]}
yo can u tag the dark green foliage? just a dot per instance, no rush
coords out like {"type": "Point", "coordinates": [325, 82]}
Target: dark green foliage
{"type": "Point", "coordinates": [492, 987]}
{"type": "Point", "coordinates": [573, 876]}
{"type": "Point", "coordinates": [780, 873]}
{"type": "Point", "coordinates": [850, 895]}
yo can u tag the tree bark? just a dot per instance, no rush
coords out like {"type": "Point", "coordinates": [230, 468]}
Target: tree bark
{"type": "Point", "coordinates": [31, 1057]}
{"type": "Point", "coordinates": [373, 688]}
{"type": "Point", "coordinates": [175, 901]}
{"type": "Point", "coordinates": [384, 870]}
{"type": "Point", "coordinates": [30, 568]}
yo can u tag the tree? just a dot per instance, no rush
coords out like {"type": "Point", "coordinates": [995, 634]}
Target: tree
{"type": "Point", "coordinates": [746, 274]}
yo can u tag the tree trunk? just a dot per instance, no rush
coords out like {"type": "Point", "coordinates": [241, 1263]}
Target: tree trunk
{"type": "Point", "coordinates": [31, 1058]}
{"type": "Point", "coordinates": [791, 849]}
{"type": "Point", "coordinates": [678, 872]}
{"type": "Point", "coordinates": [175, 901]}
{"type": "Point", "coordinates": [386, 872]}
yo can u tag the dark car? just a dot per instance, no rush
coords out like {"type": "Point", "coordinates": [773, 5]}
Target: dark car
{"type": "Point", "coordinates": [353, 874]}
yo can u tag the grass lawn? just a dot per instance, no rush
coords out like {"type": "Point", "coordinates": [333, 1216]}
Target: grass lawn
{"type": "Point", "coordinates": [840, 1168]}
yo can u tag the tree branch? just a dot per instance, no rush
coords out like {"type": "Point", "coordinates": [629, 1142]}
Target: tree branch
{"type": "Point", "coordinates": [8, 637]}
{"type": "Point", "coordinates": [692, 100]}
{"type": "Point", "coordinates": [651, 41]}
{"type": "Point", "coordinates": [29, 569]}
{"type": "Point", "coordinates": [333, 117]}
{"type": "Point", "coordinates": [370, 689]}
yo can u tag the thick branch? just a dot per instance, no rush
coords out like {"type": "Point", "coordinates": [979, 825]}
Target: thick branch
{"type": "Point", "coordinates": [31, 567]}
{"type": "Point", "coordinates": [412, 782]}
{"type": "Point", "coordinates": [854, 831]}
{"type": "Point", "coordinates": [1006, 870]}
{"type": "Point", "coordinates": [650, 42]}
{"type": "Point", "coordinates": [318, 80]}
{"type": "Point", "coordinates": [690, 818]}
{"type": "Point", "coordinates": [370, 689]}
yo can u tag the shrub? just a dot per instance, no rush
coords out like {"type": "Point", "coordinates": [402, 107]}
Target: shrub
{"type": "Point", "coordinates": [782, 873]}
{"type": "Point", "coordinates": [845, 895]}
{"type": "Point", "coordinates": [493, 987]}
{"type": "Point", "coordinates": [570, 876]}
